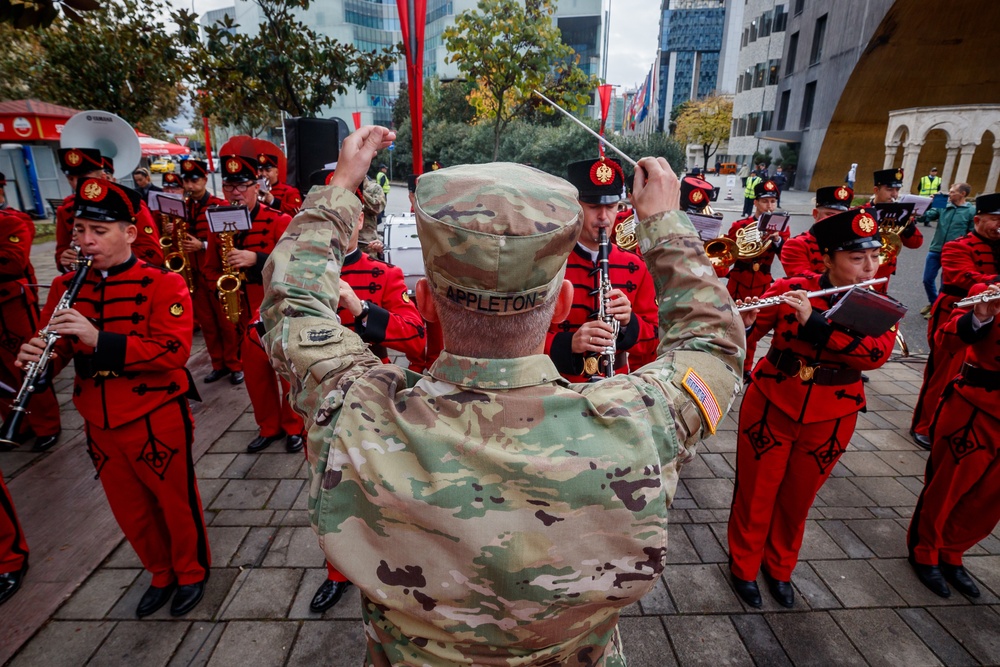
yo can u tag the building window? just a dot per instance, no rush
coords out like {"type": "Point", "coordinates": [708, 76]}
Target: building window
{"type": "Point", "coordinates": [753, 121]}
{"type": "Point", "coordinates": [786, 96]}
{"type": "Point", "coordinates": [748, 79]}
{"type": "Point", "coordinates": [807, 106]}
{"type": "Point", "coordinates": [773, 66]}
{"type": "Point", "coordinates": [743, 126]}
{"type": "Point", "coordinates": [739, 84]}
{"type": "Point", "coordinates": [799, 5]}
{"type": "Point", "coordinates": [765, 25]}
{"type": "Point", "coordinates": [753, 31]}
{"type": "Point", "coordinates": [746, 35]}
{"type": "Point", "coordinates": [793, 48]}
{"type": "Point", "coordinates": [780, 19]}
{"type": "Point", "coordinates": [818, 34]}
{"type": "Point", "coordinates": [765, 120]}
{"type": "Point", "coordinates": [758, 75]}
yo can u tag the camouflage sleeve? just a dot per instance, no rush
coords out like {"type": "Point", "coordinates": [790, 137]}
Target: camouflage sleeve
{"type": "Point", "coordinates": [303, 335]}
{"type": "Point", "coordinates": [702, 341]}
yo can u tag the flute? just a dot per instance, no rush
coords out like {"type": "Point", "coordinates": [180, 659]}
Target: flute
{"type": "Point", "coordinates": [780, 298]}
{"type": "Point", "coordinates": [982, 297]}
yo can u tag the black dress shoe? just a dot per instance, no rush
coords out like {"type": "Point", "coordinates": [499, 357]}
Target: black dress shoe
{"type": "Point", "coordinates": [216, 375]}
{"type": "Point", "coordinates": [864, 378]}
{"type": "Point", "coordinates": [747, 590]}
{"type": "Point", "coordinates": [154, 598]}
{"type": "Point", "coordinates": [187, 598]}
{"type": "Point", "coordinates": [921, 439]}
{"type": "Point", "coordinates": [328, 594]}
{"type": "Point", "coordinates": [931, 577]}
{"type": "Point", "coordinates": [958, 576]}
{"type": "Point", "coordinates": [10, 582]}
{"type": "Point", "coordinates": [781, 591]}
{"type": "Point", "coordinates": [294, 443]}
{"type": "Point", "coordinates": [236, 378]}
{"type": "Point", "coordinates": [43, 443]}
{"type": "Point", "coordinates": [261, 443]}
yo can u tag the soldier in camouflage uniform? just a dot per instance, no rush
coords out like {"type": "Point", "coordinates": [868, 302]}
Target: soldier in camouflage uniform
{"type": "Point", "coordinates": [455, 501]}
{"type": "Point", "coordinates": [373, 205]}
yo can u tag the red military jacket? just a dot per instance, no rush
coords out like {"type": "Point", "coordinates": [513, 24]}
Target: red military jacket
{"type": "Point", "coordinates": [965, 262]}
{"type": "Point", "coordinates": [393, 320]}
{"type": "Point", "coordinates": [911, 238]}
{"type": "Point", "coordinates": [147, 241]}
{"type": "Point", "coordinates": [629, 274]}
{"type": "Point", "coordinates": [267, 227]}
{"type": "Point", "coordinates": [981, 348]}
{"type": "Point", "coordinates": [198, 224]}
{"type": "Point", "coordinates": [17, 231]}
{"type": "Point", "coordinates": [144, 316]}
{"type": "Point", "coordinates": [800, 254]}
{"type": "Point", "coordinates": [288, 198]}
{"type": "Point", "coordinates": [751, 277]}
{"type": "Point", "coordinates": [817, 343]}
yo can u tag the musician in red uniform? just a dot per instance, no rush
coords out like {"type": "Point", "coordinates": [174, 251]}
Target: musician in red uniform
{"type": "Point", "coordinates": [88, 163]}
{"type": "Point", "coordinates": [278, 195]}
{"type": "Point", "coordinates": [887, 185]}
{"type": "Point", "coordinates": [374, 302]}
{"type": "Point", "coordinates": [18, 324]}
{"type": "Point", "coordinates": [272, 410]}
{"type": "Point", "coordinates": [800, 253]}
{"type": "Point", "coordinates": [221, 339]}
{"type": "Point", "coordinates": [172, 183]}
{"type": "Point", "coordinates": [965, 262]}
{"type": "Point", "coordinates": [752, 276]}
{"type": "Point", "coordinates": [129, 336]}
{"type": "Point", "coordinates": [632, 301]}
{"type": "Point", "coordinates": [13, 547]}
{"type": "Point", "coordinates": [960, 503]}
{"type": "Point", "coordinates": [799, 412]}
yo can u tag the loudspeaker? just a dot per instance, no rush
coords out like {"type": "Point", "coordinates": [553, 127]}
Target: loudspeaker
{"type": "Point", "coordinates": [310, 144]}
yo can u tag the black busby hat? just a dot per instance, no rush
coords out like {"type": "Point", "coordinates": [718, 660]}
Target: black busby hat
{"type": "Point", "coordinates": [854, 229]}
{"type": "Point", "coordinates": [109, 164]}
{"type": "Point", "coordinates": [238, 168]}
{"type": "Point", "coordinates": [411, 182]}
{"type": "Point", "coordinates": [766, 190]}
{"type": "Point", "coordinates": [696, 193]}
{"type": "Point", "coordinates": [837, 197]}
{"type": "Point", "coordinates": [80, 161]}
{"type": "Point", "coordinates": [597, 181]}
{"type": "Point", "coordinates": [105, 201]}
{"type": "Point", "coordinates": [3, 179]}
{"type": "Point", "coordinates": [892, 178]}
{"type": "Point", "coordinates": [321, 176]}
{"type": "Point", "coordinates": [191, 169]}
{"type": "Point", "coordinates": [988, 204]}
{"type": "Point", "coordinates": [172, 180]}
{"type": "Point", "coordinates": [267, 160]}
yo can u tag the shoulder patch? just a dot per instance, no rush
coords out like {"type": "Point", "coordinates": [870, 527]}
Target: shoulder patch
{"type": "Point", "coordinates": [14, 238]}
{"type": "Point", "coordinates": [177, 310]}
{"type": "Point", "coordinates": [406, 296]}
{"type": "Point", "coordinates": [704, 397]}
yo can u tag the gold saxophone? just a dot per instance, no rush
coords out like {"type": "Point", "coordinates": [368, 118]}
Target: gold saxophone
{"type": "Point", "coordinates": [177, 259]}
{"type": "Point", "coordinates": [230, 282]}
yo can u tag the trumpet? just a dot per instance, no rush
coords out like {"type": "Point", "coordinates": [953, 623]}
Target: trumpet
{"type": "Point", "coordinates": [779, 299]}
{"type": "Point", "coordinates": [603, 363]}
{"type": "Point", "coordinates": [230, 282]}
{"type": "Point", "coordinates": [982, 297]}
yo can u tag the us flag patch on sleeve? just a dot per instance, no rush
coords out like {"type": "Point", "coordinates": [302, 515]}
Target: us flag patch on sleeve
{"type": "Point", "coordinates": [703, 396]}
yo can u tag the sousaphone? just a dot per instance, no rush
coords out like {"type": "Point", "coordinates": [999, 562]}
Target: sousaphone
{"type": "Point", "coordinates": [107, 133]}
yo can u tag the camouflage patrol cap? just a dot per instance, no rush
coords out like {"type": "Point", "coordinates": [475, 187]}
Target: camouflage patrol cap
{"type": "Point", "coordinates": [495, 237]}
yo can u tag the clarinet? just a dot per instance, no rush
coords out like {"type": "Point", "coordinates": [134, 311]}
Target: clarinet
{"type": "Point", "coordinates": [34, 371]}
{"type": "Point", "coordinates": [604, 362]}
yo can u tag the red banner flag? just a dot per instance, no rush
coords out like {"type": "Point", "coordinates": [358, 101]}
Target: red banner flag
{"type": "Point", "coordinates": [412, 21]}
{"type": "Point", "coordinates": [604, 92]}
{"type": "Point", "coordinates": [357, 120]}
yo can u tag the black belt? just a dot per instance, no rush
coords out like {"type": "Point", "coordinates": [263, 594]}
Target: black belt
{"type": "Point", "coordinates": [955, 290]}
{"type": "Point", "coordinates": [974, 376]}
{"type": "Point", "coordinates": [793, 365]}
{"type": "Point", "coordinates": [752, 266]}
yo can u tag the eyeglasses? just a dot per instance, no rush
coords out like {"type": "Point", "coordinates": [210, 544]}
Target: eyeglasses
{"type": "Point", "coordinates": [238, 187]}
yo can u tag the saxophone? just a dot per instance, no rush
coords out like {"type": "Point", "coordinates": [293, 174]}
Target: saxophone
{"type": "Point", "coordinates": [177, 259]}
{"type": "Point", "coordinates": [604, 362]}
{"type": "Point", "coordinates": [230, 282]}
{"type": "Point", "coordinates": [35, 371]}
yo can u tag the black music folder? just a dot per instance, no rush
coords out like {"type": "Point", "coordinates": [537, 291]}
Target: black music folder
{"type": "Point", "coordinates": [866, 312]}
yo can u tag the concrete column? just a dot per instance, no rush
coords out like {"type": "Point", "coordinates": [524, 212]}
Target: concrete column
{"type": "Point", "coordinates": [964, 162]}
{"type": "Point", "coordinates": [994, 173]}
{"type": "Point", "coordinates": [910, 155]}
{"type": "Point", "coordinates": [949, 164]}
{"type": "Point", "coordinates": [890, 155]}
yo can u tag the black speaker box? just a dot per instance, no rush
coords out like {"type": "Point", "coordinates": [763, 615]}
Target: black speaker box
{"type": "Point", "coordinates": [311, 143]}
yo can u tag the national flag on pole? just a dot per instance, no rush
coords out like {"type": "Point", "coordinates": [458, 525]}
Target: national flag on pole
{"type": "Point", "coordinates": [412, 20]}
{"type": "Point", "coordinates": [604, 93]}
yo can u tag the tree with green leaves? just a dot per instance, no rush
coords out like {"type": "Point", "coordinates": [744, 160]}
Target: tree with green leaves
{"type": "Point", "coordinates": [706, 122]}
{"type": "Point", "coordinates": [246, 79]}
{"type": "Point", "coordinates": [23, 14]}
{"type": "Point", "coordinates": [119, 58]}
{"type": "Point", "coordinates": [509, 48]}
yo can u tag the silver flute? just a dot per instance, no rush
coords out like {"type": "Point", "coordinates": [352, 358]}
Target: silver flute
{"type": "Point", "coordinates": [780, 298]}
{"type": "Point", "coordinates": [982, 297]}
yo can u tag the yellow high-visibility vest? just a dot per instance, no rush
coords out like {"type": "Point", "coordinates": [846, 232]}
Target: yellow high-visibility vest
{"type": "Point", "coordinates": [929, 185]}
{"type": "Point", "coordinates": [752, 181]}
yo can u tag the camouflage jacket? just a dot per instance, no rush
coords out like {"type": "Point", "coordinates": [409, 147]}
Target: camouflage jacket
{"type": "Point", "coordinates": [490, 512]}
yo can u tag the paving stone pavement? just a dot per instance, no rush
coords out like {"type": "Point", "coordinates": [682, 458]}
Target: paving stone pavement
{"type": "Point", "coordinates": [857, 600]}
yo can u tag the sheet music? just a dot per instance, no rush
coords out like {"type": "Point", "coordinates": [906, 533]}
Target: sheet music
{"type": "Point", "coordinates": [708, 227]}
{"type": "Point", "coordinates": [920, 204]}
{"type": "Point", "coordinates": [895, 214]}
{"type": "Point", "coordinates": [773, 222]}
{"type": "Point", "coordinates": [170, 204]}
{"type": "Point", "coordinates": [228, 219]}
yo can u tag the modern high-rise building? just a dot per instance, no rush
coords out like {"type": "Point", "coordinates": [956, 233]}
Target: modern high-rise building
{"type": "Point", "coordinates": [691, 37]}
{"type": "Point", "coordinates": [374, 25]}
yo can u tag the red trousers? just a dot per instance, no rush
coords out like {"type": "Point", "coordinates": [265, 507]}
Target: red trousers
{"type": "Point", "coordinates": [268, 393]}
{"type": "Point", "coordinates": [942, 367]}
{"type": "Point", "coordinates": [221, 338]}
{"type": "Point", "coordinates": [18, 324]}
{"type": "Point", "coordinates": [147, 472]}
{"type": "Point", "coordinates": [13, 546]}
{"type": "Point", "coordinates": [780, 465]}
{"type": "Point", "coordinates": [960, 503]}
